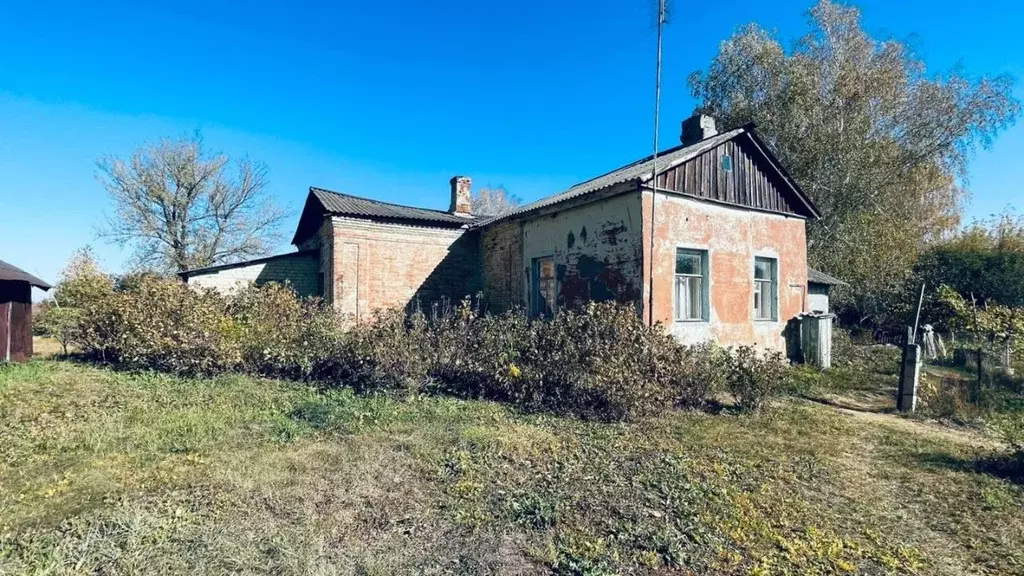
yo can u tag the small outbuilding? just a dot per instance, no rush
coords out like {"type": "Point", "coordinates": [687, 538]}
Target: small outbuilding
{"type": "Point", "coordinates": [818, 286]}
{"type": "Point", "coordinates": [16, 312]}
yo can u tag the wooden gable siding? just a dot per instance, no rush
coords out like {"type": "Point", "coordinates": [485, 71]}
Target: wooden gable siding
{"type": "Point", "coordinates": [746, 185]}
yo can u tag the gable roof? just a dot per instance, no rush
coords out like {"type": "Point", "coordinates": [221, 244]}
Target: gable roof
{"type": "Point", "coordinates": [641, 171]}
{"type": "Point", "coordinates": [321, 202]}
{"type": "Point", "coordinates": [816, 277]}
{"type": "Point", "coordinates": [13, 273]}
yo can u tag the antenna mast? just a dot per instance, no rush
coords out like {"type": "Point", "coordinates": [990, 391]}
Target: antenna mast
{"type": "Point", "coordinates": [654, 164]}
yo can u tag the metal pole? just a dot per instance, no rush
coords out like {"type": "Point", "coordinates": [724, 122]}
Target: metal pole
{"type": "Point", "coordinates": [654, 165]}
{"type": "Point", "coordinates": [917, 319]}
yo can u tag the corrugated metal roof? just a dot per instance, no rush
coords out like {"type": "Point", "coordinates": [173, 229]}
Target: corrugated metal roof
{"type": "Point", "coordinates": [340, 204]}
{"type": "Point", "coordinates": [219, 267]}
{"type": "Point", "coordinates": [822, 278]}
{"type": "Point", "coordinates": [639, 170]}
{"type": "Point", "coordinates": [12, 272]}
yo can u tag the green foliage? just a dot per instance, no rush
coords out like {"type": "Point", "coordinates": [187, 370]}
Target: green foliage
{"type": "Point", "coordinates": [876, 142]}
{"type": "Point", "coordinates": [164, 325]}
{"type": "Point", "coordinates": [993, 323]}
{"type": "Point", "coordinates": [387, 354]}
{"type": "Point", "coordinates": [280, 334]}
{"type": "Point", "coordinates": [1011, 430]}
{"type": "Point", "coordinates": [64, 314]}
{"type": "Point", "coordinates": [753, 376]}
{"type": "Point", "coordinates": [600, 362]}
{"type": "Point", "coordinates": [143, 473]}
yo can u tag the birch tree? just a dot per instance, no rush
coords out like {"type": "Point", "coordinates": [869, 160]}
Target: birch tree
{"type": "Point", "coordinates": [494, 201]}
{"type": "Point", "coordinates": [880, 145]}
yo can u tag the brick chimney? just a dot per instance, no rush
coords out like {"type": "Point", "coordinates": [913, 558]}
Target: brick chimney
{"type": "Point", "coordinates": [461, 194]}
{"type": "Point", "coordinates": [697, 128]}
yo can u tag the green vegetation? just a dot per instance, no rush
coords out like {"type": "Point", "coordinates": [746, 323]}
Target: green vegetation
{"type": "Point", "coordinates": [600, 361]}
{"type": "Point", "coordinates": [114, 472]}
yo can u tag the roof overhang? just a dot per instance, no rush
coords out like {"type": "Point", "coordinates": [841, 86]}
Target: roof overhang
{"type": "Point", "coordinates": [11, 273]}
{"type": "Point", "coordinates": [211, 269]}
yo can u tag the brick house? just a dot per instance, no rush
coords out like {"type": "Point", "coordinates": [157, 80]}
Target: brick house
{"type": "Point", "coordinates": [714, 247]}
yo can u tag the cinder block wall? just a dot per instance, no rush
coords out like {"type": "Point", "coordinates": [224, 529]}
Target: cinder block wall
{"type": "Point", "coordinates": [299, 270]}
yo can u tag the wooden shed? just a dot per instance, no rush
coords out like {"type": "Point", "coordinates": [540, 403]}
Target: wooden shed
{"type": "Point", "coordinates": [16, 312]}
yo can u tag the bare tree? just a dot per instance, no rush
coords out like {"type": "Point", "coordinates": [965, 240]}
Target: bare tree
{"type": "Point", "coordinates": [494, 201]}
{"type": "Point", "coordinates": [180, 207]}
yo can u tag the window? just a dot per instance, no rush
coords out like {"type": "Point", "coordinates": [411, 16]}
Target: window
{"type": "Point", "coordinates": [727, 163]}
{"type": "Point", "coordinates": [691, 284]}
{"type": "Point", "coordinates": [544, 288]}
{"type": "Point", "coordinates": [765, 288]}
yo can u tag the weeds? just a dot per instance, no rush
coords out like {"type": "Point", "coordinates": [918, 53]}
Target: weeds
{"type": "Point", "coordinates": [107, 472]}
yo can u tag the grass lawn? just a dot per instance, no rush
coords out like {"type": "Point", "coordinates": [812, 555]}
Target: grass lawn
{"type": "Point", "coordinates": [114, 473]}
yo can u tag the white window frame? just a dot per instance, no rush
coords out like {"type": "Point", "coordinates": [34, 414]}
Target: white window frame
{"type": "Point", "coordinates": [704, 277]}
{"type": "Point", "coordinates": [771, 285]}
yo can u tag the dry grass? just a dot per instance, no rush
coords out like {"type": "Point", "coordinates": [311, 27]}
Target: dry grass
{"type": "Point", "coordinates": [104, 472]}
{"type": "Point", "coordinates": [44, 347]}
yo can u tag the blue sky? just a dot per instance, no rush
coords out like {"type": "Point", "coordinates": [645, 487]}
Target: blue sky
{"type": "Point", "coordinates": [390, 99]}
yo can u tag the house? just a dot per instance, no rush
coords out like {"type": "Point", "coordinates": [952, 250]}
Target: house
{"type": "Point", "coordinates": [713, 246]}
{"type": "Point", "coordinates": [16, 312]}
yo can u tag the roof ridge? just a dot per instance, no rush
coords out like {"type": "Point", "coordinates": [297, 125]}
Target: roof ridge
{"type": "Point", "coordinates": [375, 201]}
{"type": "Point", "coordinates": [572, 191]}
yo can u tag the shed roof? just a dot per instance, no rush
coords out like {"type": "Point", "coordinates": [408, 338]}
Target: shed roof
{"type": "Point", "coordinates": [816, 277]}
{"type": "Point", "coordinates": [13, 273]}
{"type": "Point", "coordinates": [186, 274]}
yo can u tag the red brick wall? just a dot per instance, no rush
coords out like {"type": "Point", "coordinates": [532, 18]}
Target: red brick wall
{"type": "Point", "coordinates": [383, 265]}
{"type": "Point", "coordinates": [501, 255]}
{"type": "Point", "coordinates": [732, 238]}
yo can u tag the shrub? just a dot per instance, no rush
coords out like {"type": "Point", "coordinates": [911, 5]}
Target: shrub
{"type": "Point", "coordinates": [69, 311]}
{"type": "Point", "coordinates": [280, 334]}
{"type": "Point", "coordinates": [479, 355]}
{"type": "Point", "coordinates": [1010, 429]}
{"type": "Point", "coordinates": [600, 361]}
{"type": "Point", "coordinates": [164, 325]}
{"type": "Point", "coordinates": [694, 373]}
{"type": "Point", "coordinates": [385, 355]}
{"type": "Point", "coordinates": [752, 377]}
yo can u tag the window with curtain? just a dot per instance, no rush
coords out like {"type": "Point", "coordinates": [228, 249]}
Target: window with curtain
{"type": "Point", "coordinates": [691, 285]}
{"type": "Point", "coordinates": [765, 288]}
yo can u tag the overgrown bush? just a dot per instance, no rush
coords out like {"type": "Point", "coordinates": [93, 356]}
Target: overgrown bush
{"type": "Point", "coordinates": [66, 315]}
{"type": "Point", "coordinates": [280, 334]}
{"type": "Point", "coordinates": [388, 354]}
{"type": "Point", "coordinates": [601, 361]}
{"type": "Point", "coordinates": [1010, 429]}
{"type": "Point", "coordinates": [163, 325]}
{"type": "Point", "coordinates": [694, 373]}
{"type": "Point", "coordinates": [753, 376]}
